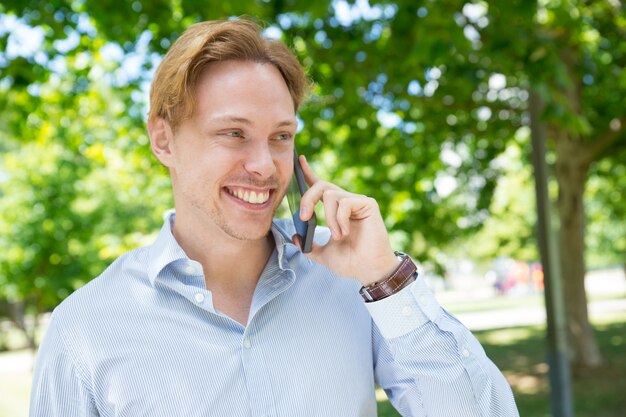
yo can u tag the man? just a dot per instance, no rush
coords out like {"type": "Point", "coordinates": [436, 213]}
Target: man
{"type": "Point", "coordinates": [223, 315]}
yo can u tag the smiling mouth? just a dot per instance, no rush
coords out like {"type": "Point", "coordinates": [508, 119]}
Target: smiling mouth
{"type": "Point", "coordinates": [250, 196]}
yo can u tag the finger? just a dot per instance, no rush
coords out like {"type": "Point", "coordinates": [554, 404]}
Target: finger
{"type": "Point", "coordinates": [311, 197]}
{"type": "Point", "coordinates": [344, 213]}
{"type": "Point", "coordinates": [309, 200]}
{"type": "Point", "coordinates": [309, 176]}
{"type": "Point", "coordinates": [354, 207]}
{"type": "Point", "coordinates": [316, 253]}
{"type": "Point", "coordinates": [331, 202]}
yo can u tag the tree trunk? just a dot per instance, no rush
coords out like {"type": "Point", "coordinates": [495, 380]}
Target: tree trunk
{"type": "Point", "coordinates": [17, 311]}
{"type": "Point", "coordinates": [571, 176]}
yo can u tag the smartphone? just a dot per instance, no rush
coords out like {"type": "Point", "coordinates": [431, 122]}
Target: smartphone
{"type": "Point", "coordinates": [297, 187]}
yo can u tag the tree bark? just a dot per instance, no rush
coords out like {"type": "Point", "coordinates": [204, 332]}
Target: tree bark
{"type": "Point", "coordinates": [571, 174]}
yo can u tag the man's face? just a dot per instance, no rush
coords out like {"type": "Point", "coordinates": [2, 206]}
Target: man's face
{"type": "Point", "coordinates": [232, 161]}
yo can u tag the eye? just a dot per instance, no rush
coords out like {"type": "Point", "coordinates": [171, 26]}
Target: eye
{"type": "Point", "coordinates": [282, 137]}
{"type": "Point", "coordinates": [235, 133]}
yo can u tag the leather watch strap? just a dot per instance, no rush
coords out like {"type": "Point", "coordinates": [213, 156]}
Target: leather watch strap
{"type": "Point", "coordinates": [404, 274]}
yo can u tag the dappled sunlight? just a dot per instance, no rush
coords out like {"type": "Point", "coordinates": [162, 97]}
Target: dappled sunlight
{"type": "Point", "coordinates": [430, 108]}
{"type": "Point", "coordinates": [541, 368]}
{"type": "Point", "coordinates": [526, 383]}
{"type": "Point", "coordinates": [535, 381]}
{"type": "Point", "coordinates": [617, 340]}
{"type": "Point", "coordinates": [521, 355]}
{"type": "Point", "coordinates": [507, 336]}
{"type": "Point", "coordinates": [601, 323]}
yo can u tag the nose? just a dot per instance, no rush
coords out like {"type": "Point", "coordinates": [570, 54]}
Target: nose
{"type": "Point", "coordinates": [260, 160]}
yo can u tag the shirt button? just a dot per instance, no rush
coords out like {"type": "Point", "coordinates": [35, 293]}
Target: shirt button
{"type": "Point", "coordinates": [466, 353]}
{"type": "Point", "coordinates": [199, 297]}
{"type": "Point", "coordinates": [190, 270]}
{"type": "Point", "coordinates": [247, 344]}
{"type": "Point", "coordinates": [423, 300]}
{"type": "Point", "coordinates": [406, 311]}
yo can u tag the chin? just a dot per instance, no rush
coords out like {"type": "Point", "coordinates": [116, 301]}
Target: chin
{"type": "Point", "coordinates": [258, 230]}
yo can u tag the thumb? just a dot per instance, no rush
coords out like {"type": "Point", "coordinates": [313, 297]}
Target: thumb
{"type": "Point", "coordinates": [317, 251]}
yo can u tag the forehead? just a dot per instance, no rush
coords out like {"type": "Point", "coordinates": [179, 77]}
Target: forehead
{"type": "Point", "coordinates": [247, 89]}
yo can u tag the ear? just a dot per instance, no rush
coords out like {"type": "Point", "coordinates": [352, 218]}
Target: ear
{"type": "Point", "coordinates": [161, 140]}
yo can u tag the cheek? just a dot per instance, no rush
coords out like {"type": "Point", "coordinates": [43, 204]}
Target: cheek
{"type": "Point", "coordinates": [284, 170]}
{"type": "Point", "coordinates": [284, 161]}
{"type": "Point", "coordinates": [214, 165]}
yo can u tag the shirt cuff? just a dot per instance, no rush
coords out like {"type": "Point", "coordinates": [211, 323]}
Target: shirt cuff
{"type": "Point", "coordinates": [404, 311]}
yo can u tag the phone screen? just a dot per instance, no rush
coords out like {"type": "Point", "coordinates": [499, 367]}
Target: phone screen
{"type": "Point", "coordinates": [297, 187]}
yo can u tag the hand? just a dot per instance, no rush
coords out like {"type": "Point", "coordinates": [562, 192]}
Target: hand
{"type": "Point", "coordinates": [359, 246]}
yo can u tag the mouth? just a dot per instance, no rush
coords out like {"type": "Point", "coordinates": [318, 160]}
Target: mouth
{"type": "Point", "coordinates": [254, 197]}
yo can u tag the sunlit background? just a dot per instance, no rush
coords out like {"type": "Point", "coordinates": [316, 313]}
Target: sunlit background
{"type": "Point", "coordinates": [422, 104]}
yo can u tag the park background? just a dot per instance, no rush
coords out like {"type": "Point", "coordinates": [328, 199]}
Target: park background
{"type": "Point", "coordinates": [427, 106]}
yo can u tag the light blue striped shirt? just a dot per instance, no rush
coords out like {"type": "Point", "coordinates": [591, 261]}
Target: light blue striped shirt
{"type": "Point", "coordinates": [143, 339]}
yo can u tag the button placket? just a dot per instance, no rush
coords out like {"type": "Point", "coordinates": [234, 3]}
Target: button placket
{"type": "Point", "coordinates": [256, 371]}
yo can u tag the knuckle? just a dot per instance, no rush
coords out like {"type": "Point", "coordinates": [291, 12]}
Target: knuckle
{"type": "Point", "coordinates": [329, 193]}
{"type": "Point", "coordinates": [372, 201]}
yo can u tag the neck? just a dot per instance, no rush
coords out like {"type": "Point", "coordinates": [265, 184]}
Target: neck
{"type": "Point", "coordinates": [224, 258]}
{"type": "Point", "coordinates": [231, 266]}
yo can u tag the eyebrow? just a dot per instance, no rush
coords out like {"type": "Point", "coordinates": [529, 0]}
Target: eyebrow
{"type": "Point", "coordinates": [243, 120]}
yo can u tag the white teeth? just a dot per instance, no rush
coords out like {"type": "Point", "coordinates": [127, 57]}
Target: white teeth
{"type": "Point", "coordinates": [250, 196]}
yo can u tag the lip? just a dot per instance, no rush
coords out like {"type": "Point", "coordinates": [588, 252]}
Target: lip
{"type": "Point", "coordinates": [247, 205]}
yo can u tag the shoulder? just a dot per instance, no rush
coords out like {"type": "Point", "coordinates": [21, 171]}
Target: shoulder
{"type": "Point", "coordinates": [118, 278]}
{"type": "Point", "coordinates": [89, 317]}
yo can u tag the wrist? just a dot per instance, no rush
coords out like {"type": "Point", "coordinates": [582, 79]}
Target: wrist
{"type": "Point", "coordinates": [404, 274]}
{"type": "Point", "coordinates": [386, 267]}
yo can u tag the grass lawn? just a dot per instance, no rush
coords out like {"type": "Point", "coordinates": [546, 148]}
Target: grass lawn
{"type": "Point", "coordinates": [519, 352]}
{"type": "Point", "coordinates": [502, 303]}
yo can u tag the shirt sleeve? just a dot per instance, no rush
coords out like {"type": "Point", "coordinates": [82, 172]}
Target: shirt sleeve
{"type": "Point", "coordinates": [58, 389]}
{"type": "Point", "coordinates": [429, 364]}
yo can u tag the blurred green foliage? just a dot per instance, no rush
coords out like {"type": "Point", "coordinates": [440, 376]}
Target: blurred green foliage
{"type": "Point", "coordinates": [421, 104]}
{"type": "Point", "coordinates": [78, 184]}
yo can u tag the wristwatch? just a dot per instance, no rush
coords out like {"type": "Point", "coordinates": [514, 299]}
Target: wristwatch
{"type": "Point", "coordinates": [403, 275]}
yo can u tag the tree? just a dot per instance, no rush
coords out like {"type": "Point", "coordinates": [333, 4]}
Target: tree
{"type": "Point", "coordinates": [509, 230]}
{"type": "Point", "coordinates": [575, 54]}
{"type": "Point", "coordinates": [76, 188]}
{"type": "Point", "coordinates": [606, 205]}
{"type": "Point", "coordinates": [572, 54]}
{"type": "Point", "coordinates": [335, 117]}
{"type": "Point", "coordinates": [418, 96]}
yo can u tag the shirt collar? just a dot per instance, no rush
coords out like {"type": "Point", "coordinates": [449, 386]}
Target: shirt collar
{"type": "Point", "coordinates": [284, 245]}
{"type": "Point", "coordinates": [166, 250]}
